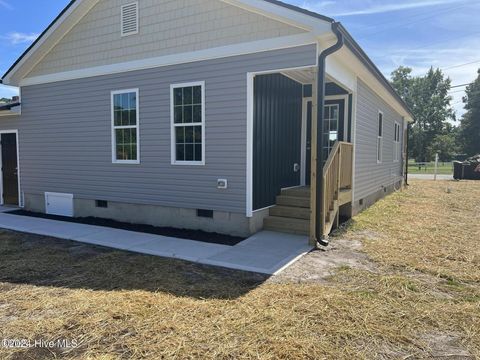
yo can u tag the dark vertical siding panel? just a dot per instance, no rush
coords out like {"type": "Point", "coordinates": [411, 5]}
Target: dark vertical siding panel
{"type": "Point", "coordinates": [277, 137]}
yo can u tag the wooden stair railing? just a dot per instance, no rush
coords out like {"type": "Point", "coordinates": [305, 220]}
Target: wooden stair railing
{"type": "Point", "coordinates": [337, 175]}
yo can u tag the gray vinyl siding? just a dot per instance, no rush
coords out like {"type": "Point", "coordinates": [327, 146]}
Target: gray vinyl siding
{"type": "Point", "coordinates": [370, 176]}
{"type": "Point", "coordinates": [65, 134]}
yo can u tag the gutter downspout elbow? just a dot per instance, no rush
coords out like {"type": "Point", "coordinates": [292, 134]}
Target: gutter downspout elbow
{"type": "Point", "coordinates": [320, 105]}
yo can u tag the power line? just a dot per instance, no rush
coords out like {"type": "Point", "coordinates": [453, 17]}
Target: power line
{"type": "Point", "coordinates": [457, 86]}
{"type": "Point", "coordinates": [460, 65]}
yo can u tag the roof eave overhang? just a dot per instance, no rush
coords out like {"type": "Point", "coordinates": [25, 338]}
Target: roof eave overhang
{"type": "Point", "coordinates": [355, 48]}
{"type": "Point", "coordinates": [76, 9]}
{"type": "Point", "coordinates": [318, 25]}
{"type": "Point", "coordinates": [57, 29]}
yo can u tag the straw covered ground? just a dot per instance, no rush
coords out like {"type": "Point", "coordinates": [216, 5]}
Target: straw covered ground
{"type": "Point", "coordinates": [401, 281]}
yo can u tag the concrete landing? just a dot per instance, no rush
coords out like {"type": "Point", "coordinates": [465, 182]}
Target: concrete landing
{"type": "Point", "coordinates": [266, 252]}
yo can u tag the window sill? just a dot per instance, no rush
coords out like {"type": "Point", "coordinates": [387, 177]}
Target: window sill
{"type": "Point", "coordinates": [189, 163]}
{"type": "Point", "coordinates": [126, 162]}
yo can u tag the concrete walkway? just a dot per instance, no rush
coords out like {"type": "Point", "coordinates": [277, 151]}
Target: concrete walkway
{"type": "Point", "coordinates": [266, 252]}
{"type": "Point", "coordinates": [429, 177]}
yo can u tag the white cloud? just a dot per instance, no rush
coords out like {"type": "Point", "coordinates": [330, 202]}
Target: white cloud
{"type": "Point", "coordinates": [20, 38]}
{"type": "Point", "coordinates": [373, 7]}
{"type": "Point", "coordinates": [396, 7]}
{"type": "Point", "coordinates": [445, 58]}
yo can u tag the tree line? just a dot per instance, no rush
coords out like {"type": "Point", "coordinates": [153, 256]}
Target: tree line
{"type": "Point", "coordinates": [436, 129]}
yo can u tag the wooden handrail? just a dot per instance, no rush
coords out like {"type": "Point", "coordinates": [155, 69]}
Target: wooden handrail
{"type": "Point", "coordinates": [337, 175]}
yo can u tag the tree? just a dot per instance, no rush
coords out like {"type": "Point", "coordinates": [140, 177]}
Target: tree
{"type": "Point", "coordinates": [427, 96]}
{"type": "Point", "coordinates": [470, 123]}
{"type": "Point", "coordinates": [445, 145]}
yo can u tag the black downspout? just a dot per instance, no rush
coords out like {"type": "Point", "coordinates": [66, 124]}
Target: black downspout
{"type": "Point", "coordinates": [406, 150]}
{"type": "Point", "coordinates": [320, 105]}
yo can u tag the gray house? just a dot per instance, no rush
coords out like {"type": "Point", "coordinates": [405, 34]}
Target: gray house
{"type": "Point", "coordinates": [200, 114]}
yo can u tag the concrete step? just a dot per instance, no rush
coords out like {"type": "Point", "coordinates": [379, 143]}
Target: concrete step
{"type": "Point", "coordinates": [287, 225]}
{"type": "Point", "coordinates": [290, 212]}
{"type": "Point", "coordinates": [297, 192]}
{"type": "Point", "coordinates": [294, 201]}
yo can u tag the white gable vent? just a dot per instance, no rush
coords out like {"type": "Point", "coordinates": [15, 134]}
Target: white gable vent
{"type": "Point", "coordinates": [130, 19]}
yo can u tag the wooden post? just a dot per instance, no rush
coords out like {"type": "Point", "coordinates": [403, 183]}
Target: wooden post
{"type": "Point", "coordinates": [436, 167]}
{"type": "Point", "coordinates": [313, 161]}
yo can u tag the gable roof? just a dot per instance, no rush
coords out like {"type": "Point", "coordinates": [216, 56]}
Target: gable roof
{"type": "Point", "coordinates": [38, 38]}
{"type": "Point", "coordinates": [351, 44]}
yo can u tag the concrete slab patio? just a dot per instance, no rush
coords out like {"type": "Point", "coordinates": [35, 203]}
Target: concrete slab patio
{"type": "Point", "coordinates": [266, 252]}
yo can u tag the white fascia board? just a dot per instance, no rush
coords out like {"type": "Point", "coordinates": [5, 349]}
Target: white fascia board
{"type": "Point", "coordinates": [43, 46]}
{"type": "Point", "coordinates": [283, 14]}
{"type": "Point", "coordinates": [345, 67]}
{"type": "Point", "coordinates": [175, 59]}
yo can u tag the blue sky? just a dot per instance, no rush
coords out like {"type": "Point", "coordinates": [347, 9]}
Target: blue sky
{"type": "Point", "coordinates": [415, 33]}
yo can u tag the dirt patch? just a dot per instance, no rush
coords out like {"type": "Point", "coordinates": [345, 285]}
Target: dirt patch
{"type": "Point", "coordinates": [446, 346]}
{"type": "Point", "coordinates": [319, 265]}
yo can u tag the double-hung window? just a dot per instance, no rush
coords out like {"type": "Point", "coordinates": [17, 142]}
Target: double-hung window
{"type": "Point", "coordinates": [380, 137]}
{"type": "Point", "coordinates": [125, 134]}
{"type": "Point", "coordinates": [396, 143]}
{"type": "Point", "coordinates": [188, 123]}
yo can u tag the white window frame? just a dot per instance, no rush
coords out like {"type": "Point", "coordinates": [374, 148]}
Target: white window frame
{"type": "Point", "coordinates": [396, 142]}
{"type": "Point", "coordinates": [137, 19]}
{"type": "Point", "coordinates": [173, 148]}
{"type": "Point", "coordinates": [136, 126]}
{"type": "Point", "coordinates": [380, 137]}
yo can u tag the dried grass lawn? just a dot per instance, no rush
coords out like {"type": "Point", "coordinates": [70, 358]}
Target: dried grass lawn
{"type": "Point", "coordinates": [420, 298]}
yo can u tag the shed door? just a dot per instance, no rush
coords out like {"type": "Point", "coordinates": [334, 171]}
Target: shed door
{"type": "Point", "coordinates": [9, 169]}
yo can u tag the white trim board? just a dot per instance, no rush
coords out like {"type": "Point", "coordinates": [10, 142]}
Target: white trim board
{"type": "Point", "coordinates": [250, 116]}
{"type": "Point", "coordinates": [20, 202]}
{"type": "Point", "coordinates": [281, 13]}
{"type": "Point", "coordinates": [176, 59]}
{"type": "Point", "coordinates": [303, 160]}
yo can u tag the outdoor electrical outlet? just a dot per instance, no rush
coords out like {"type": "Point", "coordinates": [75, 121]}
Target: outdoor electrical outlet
{"type": "Point", "coordinates": [222, 184]}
